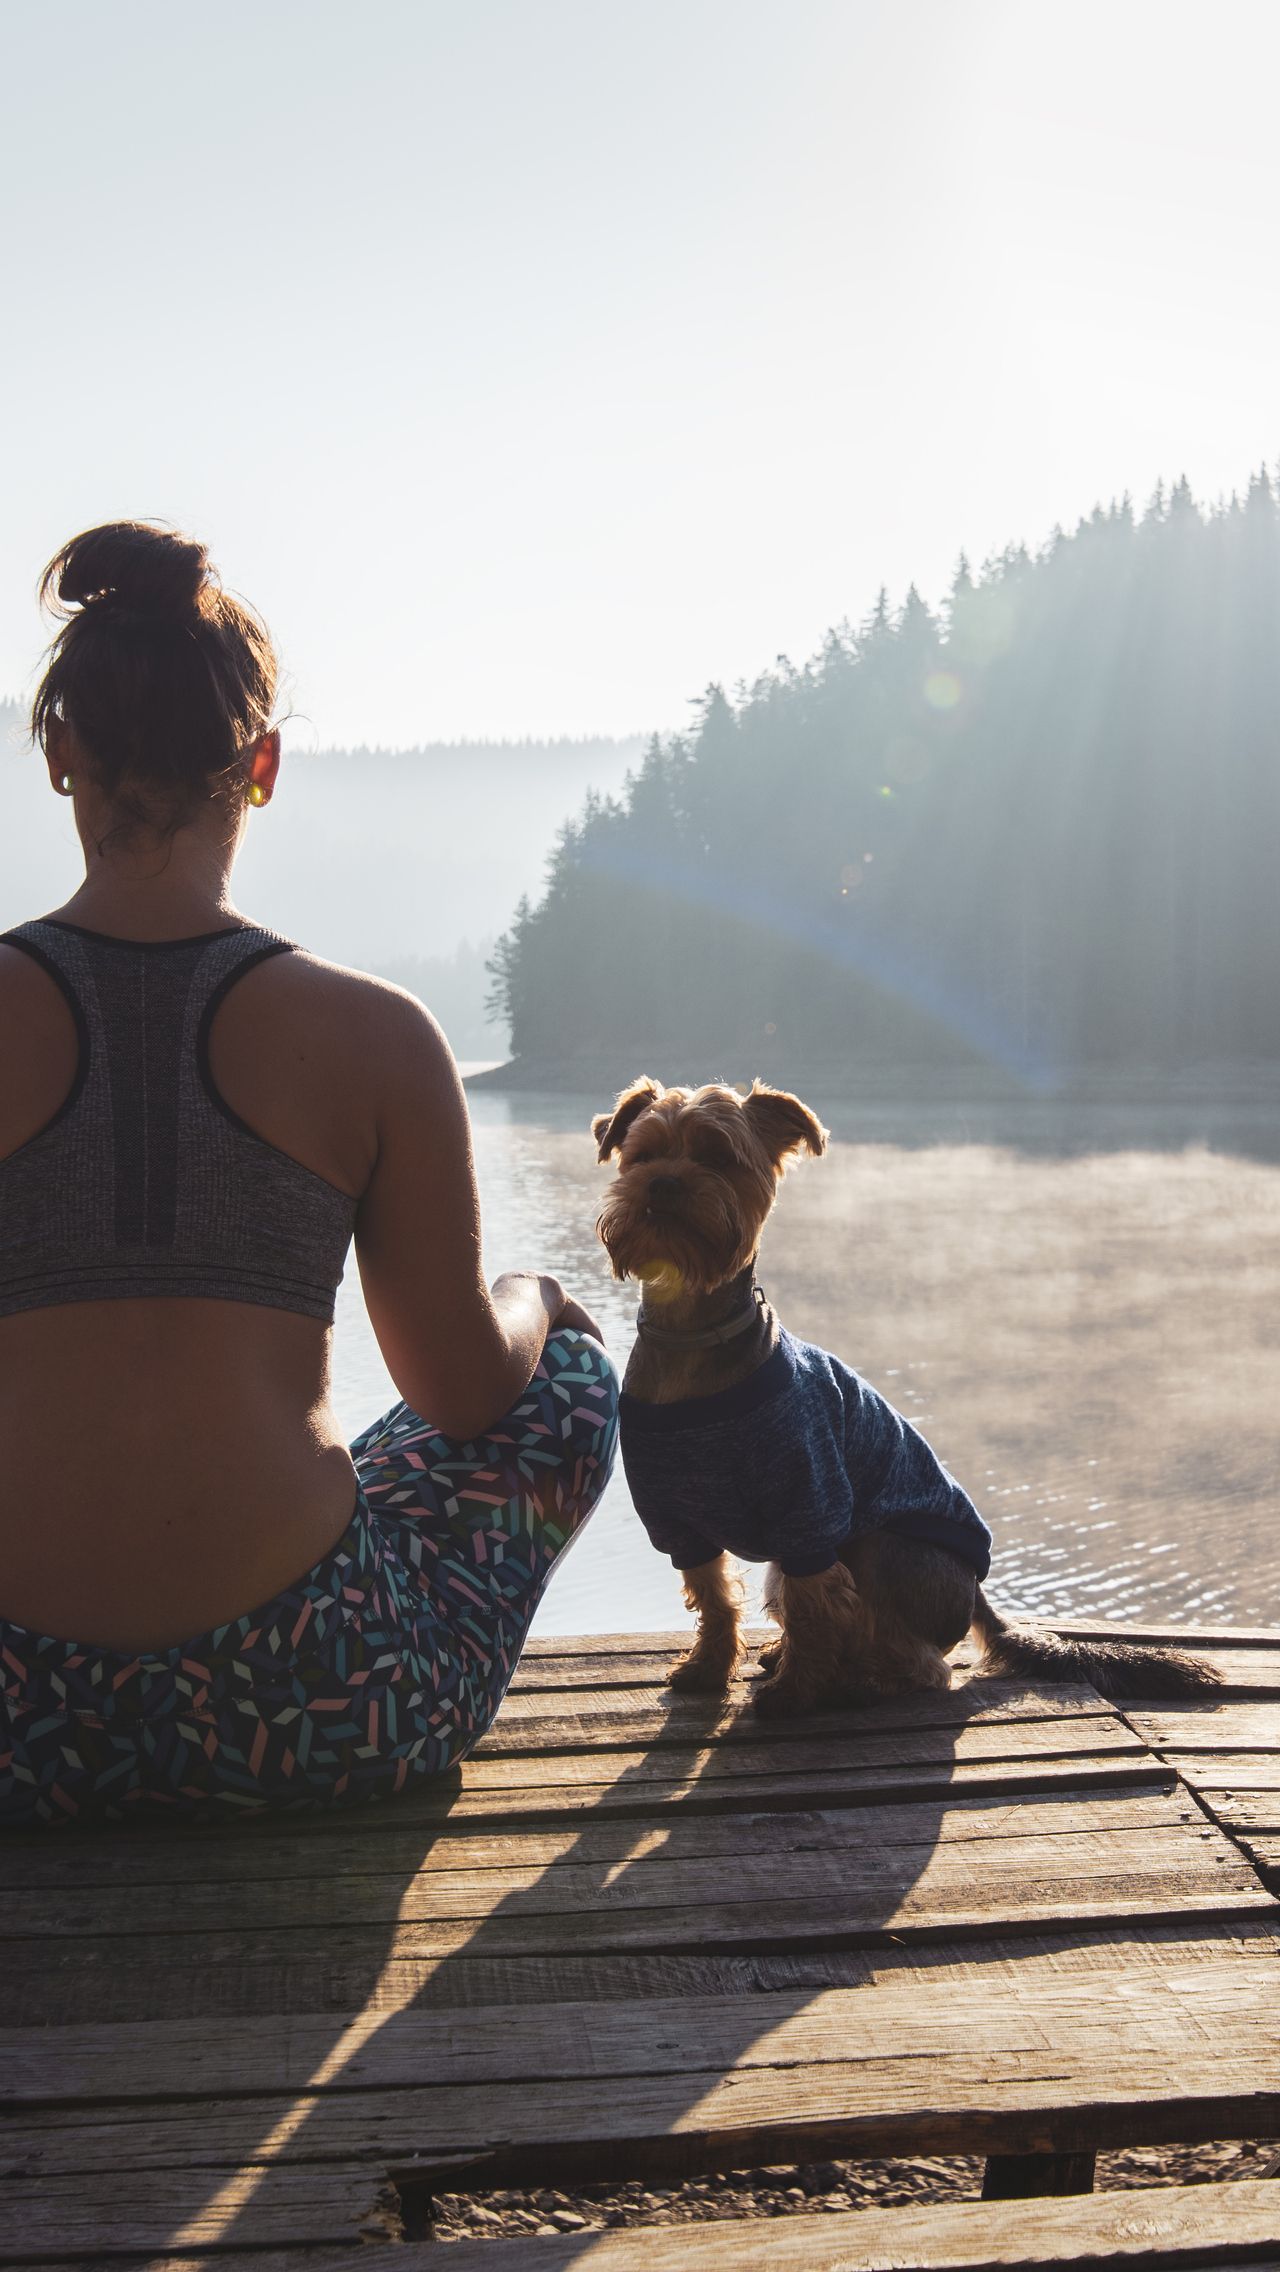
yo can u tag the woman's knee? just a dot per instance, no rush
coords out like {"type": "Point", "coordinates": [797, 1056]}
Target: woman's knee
{"type": "Point", "coordinates": [577, 1389]}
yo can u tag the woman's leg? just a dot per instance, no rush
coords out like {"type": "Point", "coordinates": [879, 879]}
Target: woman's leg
{"type": "Point", "coordinates": [385, 1661]}
{"type": "Point", "coordinates": [474, 1531]}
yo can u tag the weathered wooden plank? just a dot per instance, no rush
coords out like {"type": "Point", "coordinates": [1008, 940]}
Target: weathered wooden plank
{"type": "Point", "coordinates": [568, 1665]}
{"type": "Point", "coordinates": [901, 2073]}
{"type": "Point", "coordinates": [121, 1860]}
{"type": "Point", "coordinates": [606, 1645]}
{"type": "Point", "coordinates": [978, 1761]}
{"type": "Point", "coordinates": [505, 1891]}
{"type": "Point", "coordinates": [1182, 1636]}
{"type": "Point", "coordinates": [647, 1668]}
{"type": "Point", "coordinates": [842, 1918]}
{"type": "Point", "coordinates": [1241, 1791]}
{"type": "Point", "coordinates": [341, 1988]}
{"type": "Point", "coordinates": [1192, 2227]}
{"type": "Point", "coordinates": [1253, 1777]}
{"type": "Point", "coordinates": [646, 1801]}
{"type": "Point", "coordinates": [1241, 1664]}
{"type": "Point", "coordinates": [747, 1752]}
{"type": "Point", "coordinates": [493, 1804]}
{"type": "Point", "coordinates": [1263, 1851]}
{"type": "Point", "coordinates": [637, 1791]}
{"type": "Point", "coordinates": [170, 2212]}
{"type": "Point", "coordinates": [968, 1697]}
{"type": "Point", "coordinates": [770, 1864]}
{"type": "Point", "coordinates": [391, 2051]}
{"type": "Point", "coordinates": [1245, 1813]}
{"type": "Point", "coordinates": [545, 1723]}
{"type": "Point", "coordinates": [1201, 1724]}
{"type": "Point", "coordinates": [1187, 2226]}
{"type": "Point", "coordinates": [612, 1660]}
{"type": "Point", "coordinates": [857, 1758]}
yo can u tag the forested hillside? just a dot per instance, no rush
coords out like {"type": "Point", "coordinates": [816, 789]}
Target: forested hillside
{"type": "Point", "coordinates": [1042, 826]}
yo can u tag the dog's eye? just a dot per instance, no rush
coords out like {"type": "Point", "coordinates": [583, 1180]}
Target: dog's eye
{"type": "Point", "coordinates": [713, 1152]}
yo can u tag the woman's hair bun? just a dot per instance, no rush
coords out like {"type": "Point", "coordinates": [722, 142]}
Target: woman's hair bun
{"type": "Point", "coordinates": [165, 678]}
{"type": "Point", "coordinates": [128, 564]}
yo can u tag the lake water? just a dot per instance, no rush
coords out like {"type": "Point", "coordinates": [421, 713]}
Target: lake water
{"type": "Point", "coordinates": [1080, 1306]}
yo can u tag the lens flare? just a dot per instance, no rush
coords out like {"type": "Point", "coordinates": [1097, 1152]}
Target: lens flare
{"type": "Point", "coordinates": [864, 950]}
{"type": "Point", "coordinates": [942, 690]}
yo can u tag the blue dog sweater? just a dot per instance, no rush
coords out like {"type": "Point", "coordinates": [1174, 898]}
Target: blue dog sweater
{"type": "Point", "coordinates": [786, 1466]}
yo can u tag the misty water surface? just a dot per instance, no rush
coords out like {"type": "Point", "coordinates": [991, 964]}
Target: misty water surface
{"type": "Point", "coordinates": [1079, 1305]}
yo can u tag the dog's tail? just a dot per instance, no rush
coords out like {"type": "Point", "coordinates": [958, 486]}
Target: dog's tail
{"type": "Point", "coordinates": [1114, 1668]}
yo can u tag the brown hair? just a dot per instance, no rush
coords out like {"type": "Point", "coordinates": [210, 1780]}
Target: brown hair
{"type": "Point", "coordinates": [162, 675]}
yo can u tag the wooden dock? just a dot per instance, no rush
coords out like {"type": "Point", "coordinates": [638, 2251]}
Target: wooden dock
{"type": "Point", "coordinates": [638, 1936]}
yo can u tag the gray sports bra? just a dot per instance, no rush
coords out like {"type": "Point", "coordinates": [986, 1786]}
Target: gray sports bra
{"type": "Point", "coordinates": [145, 1181]}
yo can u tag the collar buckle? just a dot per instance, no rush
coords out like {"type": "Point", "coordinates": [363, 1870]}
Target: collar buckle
{"type": "Point", "coordinates": [702, 1337]}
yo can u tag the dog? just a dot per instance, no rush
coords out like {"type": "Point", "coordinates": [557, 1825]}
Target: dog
{"type": "Point", "coordinates": [738, 1440]}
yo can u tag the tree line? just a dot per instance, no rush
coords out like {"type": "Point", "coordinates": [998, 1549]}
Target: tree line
{"type": "Point", "coordinates": [1039, 825]}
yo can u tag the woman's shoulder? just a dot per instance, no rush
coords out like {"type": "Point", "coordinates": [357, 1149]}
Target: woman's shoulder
{"type": "Point", "coordinates": [361, 989]}
{"type": "Point", "coordinates": [377, 1015]}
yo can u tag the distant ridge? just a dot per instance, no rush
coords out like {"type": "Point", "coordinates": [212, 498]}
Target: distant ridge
{"type": "Point", "coordinates": [396, 860]}
{"type": "Point", "coordinates": [472, 745]}
{"type": "Point", "coordinates": [14, 716]}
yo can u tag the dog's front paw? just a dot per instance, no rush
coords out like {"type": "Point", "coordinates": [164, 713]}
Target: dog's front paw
{"type": "Point", "coordinates": [783, 1697]}
{"type": "Point", "coordinates": [699, 1675]}
{"type": "Point", "coordinates": [769, 1658]}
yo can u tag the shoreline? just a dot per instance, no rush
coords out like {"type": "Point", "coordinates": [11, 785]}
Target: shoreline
{"type": "Point", "coordinates": [604, 1074]}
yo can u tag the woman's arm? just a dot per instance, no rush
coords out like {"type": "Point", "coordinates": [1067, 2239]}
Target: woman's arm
{"type": "Point", "coordinates": [458, 1353]}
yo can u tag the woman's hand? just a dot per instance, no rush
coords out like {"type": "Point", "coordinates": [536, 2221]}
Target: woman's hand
{"type": "Point", "coordinates": [561, 1309]}
{"type": "Point", "coordinates": [572, 1313]}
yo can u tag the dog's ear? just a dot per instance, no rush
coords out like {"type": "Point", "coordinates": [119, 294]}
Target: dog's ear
{"type": "Point", "coordinates": [782, 1123]}
{"type": "Point", "coordinates": [610, 1128]}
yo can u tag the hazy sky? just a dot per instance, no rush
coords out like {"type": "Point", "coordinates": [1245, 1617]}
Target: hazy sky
{"type": "Point", "coordinates": [532, 362]}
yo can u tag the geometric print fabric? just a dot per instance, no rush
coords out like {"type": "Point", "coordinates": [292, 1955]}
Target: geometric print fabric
{"type": "Point", "coordinates": [386, 1661]}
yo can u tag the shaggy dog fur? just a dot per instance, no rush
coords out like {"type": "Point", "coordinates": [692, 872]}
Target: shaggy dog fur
{"type": "Point", "coordinates": [697, 1174]}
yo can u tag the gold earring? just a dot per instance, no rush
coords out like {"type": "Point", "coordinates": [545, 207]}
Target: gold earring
{"type": "Point", "coordinates": [255, 794]}
{"type": "Point", "coordinates": [66, 786]}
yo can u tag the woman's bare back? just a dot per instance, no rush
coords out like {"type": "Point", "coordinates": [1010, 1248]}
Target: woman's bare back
{"type": "Point", "coordinates": [165, 1464]}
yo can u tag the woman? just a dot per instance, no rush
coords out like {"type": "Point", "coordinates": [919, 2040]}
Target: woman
{"type": "Point", "coordinates": [206, 1598]}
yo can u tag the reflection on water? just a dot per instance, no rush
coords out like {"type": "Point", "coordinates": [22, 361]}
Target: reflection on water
{"type": "Point", "coordinates": [1080, 1306]}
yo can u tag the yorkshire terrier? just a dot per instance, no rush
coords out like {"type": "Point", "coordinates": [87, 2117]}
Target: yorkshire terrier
{"type": "Point", "coordinates": [738, 1440]}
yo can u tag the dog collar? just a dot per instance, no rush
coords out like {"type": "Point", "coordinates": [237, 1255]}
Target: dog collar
{"type": "Point", "coordinates": [701, 1337]}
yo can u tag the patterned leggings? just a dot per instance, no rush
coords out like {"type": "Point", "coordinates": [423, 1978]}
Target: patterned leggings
{"type": "Point", "coordinates": [387, 1660]}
